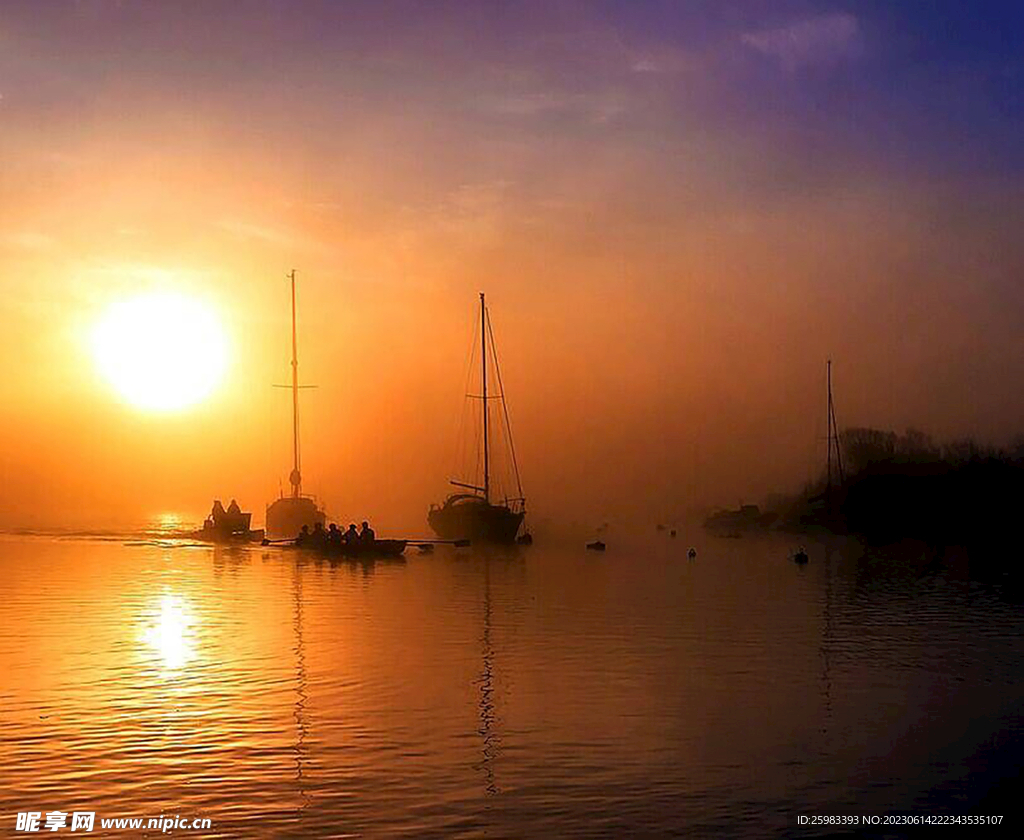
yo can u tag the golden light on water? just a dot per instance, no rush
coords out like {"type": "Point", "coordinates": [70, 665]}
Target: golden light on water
{"type": "Point", "coordinates": [169, 633]}
{"type": "Point", "coordinates": [169, 522]}
{"type": "Point", "coordinates": [160, 351]}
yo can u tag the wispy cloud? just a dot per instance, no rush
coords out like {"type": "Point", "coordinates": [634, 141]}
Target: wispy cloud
{"type": "Point", "coordinates": [597, 108]}
{"type": "Point", "coordinates": [823, 39]}
{"type": "Point", "coordinates": [279, 237]}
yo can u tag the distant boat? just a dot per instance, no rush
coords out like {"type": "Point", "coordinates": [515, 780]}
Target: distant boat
{"type": "Point", "coordinates": [733, 523]}
{"type": "Point", "coordinates": [227, 526]}
{"type": "Point", "coordinates": [475, 514]}
{"type": "Point", "coordinates": [287, 515]}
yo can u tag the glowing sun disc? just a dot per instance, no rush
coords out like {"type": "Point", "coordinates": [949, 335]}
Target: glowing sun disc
{"type": "Point", "coordinates": [160, 351]}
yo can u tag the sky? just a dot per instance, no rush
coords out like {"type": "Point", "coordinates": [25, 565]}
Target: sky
{"type": "Point", "coordinates": [678, 212]}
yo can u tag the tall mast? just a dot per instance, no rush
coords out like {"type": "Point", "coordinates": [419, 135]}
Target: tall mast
{"type": "Point", "coordinates": [483, 357]}
{"type": "Point", "coordinates": [296, 477]}
{"type": "Point", "coordinates": [828, 434]}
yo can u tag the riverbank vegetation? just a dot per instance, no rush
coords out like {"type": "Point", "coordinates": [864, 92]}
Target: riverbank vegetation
{"type": "Point", "coordinates": [908, 486]}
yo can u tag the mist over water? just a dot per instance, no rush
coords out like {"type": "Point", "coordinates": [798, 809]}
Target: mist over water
{"type": "Point", "coordinates": [541, 692]}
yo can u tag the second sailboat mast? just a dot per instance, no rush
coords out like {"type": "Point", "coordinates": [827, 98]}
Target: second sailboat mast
{"type": "Point", "coordinates": [483, 356]}
{"type": "Point", "coordinates": [296, 476]}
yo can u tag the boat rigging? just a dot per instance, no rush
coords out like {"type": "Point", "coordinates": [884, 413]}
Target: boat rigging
{"type": "Point", "coordinates": [287, 515]}
{"type": "Point", "coordinates": [474, 515]}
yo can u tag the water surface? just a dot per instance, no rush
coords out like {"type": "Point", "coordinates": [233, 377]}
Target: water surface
{"type": "Point", "coordinates": [543, 692]}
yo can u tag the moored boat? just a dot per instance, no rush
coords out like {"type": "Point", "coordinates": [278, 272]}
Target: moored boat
{"type": "Point", "coordinates": [745, 519]}
{"type": "Point", "coordinates": [287, 515]}
{"type": "Point", "coordinates": [477, 515]}
{"type": "Point", "coordinates": [473, 517]}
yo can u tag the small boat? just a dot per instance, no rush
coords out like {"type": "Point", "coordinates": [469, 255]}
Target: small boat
{"type": "Point", "coordinates": [287, 514]}
{"type": "Point", "coordinates": [597, 545]}
{"type": "Point", "coordinates": [477, 515]}
{"type": "Point", "coordinates": [227, 526]}
{"type": "Point", "coordinates": [734, 523]}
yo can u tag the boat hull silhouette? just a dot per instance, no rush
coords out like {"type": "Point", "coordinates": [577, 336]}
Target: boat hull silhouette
{"type": "Point", "coordinates": [467, 516]}
{"type": "Point", "coordinates": [378, 548]}
{"type": "Point", "coordinates": [231, 528]}
{"type": "Point", "coordinates": [747, 519]}
{"type": "Point", "coordinates": [287, 515]}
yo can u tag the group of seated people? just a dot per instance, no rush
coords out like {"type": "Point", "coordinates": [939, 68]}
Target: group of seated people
{"type": "Point", "coordinates": [334, 536]}
{"type": "Point", "coordinates": [220, 518]}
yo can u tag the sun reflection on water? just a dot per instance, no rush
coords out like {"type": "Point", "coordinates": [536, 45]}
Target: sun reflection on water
{"type": "Point", "coordinates": [169, 522]}
{"type": "Point", "coordinates": [169, 632]}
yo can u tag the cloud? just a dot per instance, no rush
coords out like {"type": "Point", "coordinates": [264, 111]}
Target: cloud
{"type": "Point", "coordinates": [823, 39]}
{"type": "Point", "coordinates": [596, 108]}
{"type": "Point", "coordinates": [243, 229]}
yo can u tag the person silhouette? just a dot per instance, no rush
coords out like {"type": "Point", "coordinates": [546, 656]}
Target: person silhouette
{"type": "Point", "coordinates": [303, 536]}
{"type": "Point", "coordinates": [366, 535]}
{"type": "Point", "coordinates": [319, 534]}
{"type": "Point", "coordinates": [352, 535]}
{"type": "Point", "coordinates": [217, 513]}
{"type": "Point", "coordinates": [233, 508]}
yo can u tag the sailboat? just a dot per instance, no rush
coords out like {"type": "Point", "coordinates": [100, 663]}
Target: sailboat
{"type": "Point", "coordinates": [288, 514]}
{"type": "Point", "coordinates": [824, 507]}
{"type": "Point", "coordinates": [474, 513]}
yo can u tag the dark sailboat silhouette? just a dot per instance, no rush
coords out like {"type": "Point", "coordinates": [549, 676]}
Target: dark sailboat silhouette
{"type": "Point", "coordinates": [825, 508]}
{"type": "Point", "coordinates": [287, 515]}
{"type": "Point", "coordinates": [474, 515]}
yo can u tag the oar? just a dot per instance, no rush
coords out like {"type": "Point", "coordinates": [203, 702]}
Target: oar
{"type": "Point", "coordinates": [456, 543]}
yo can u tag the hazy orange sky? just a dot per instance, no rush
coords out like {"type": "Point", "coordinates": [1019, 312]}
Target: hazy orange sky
{"type": "Point", "coordinates": [678, 211]}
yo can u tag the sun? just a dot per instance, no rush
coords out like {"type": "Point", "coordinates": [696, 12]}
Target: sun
{"type": "Point", "coordinates": [161, 351]}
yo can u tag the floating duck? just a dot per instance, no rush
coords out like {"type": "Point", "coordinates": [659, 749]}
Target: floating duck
{"type": "Point", "coordinates": [692, 553]}
{"type": "Point", "coordinates": [597, 545]}
{"type": "Point", "coordinates": [800, 557]}
{"type": "Point", "coordinates": [672, 533]}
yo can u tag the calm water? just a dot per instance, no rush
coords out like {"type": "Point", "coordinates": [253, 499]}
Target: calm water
{"type": "Point", "coordinates": [549, 692]}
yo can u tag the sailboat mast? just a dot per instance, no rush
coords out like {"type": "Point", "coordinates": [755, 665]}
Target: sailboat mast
{"type": "Point", "coordinates": [483, 359]}
{"type": "Point", "coordinates": [835, 434]}
{"type": "Point", "coordinates": [828, 444]}
{"type": "Point", "coordinates": [296, 476]}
